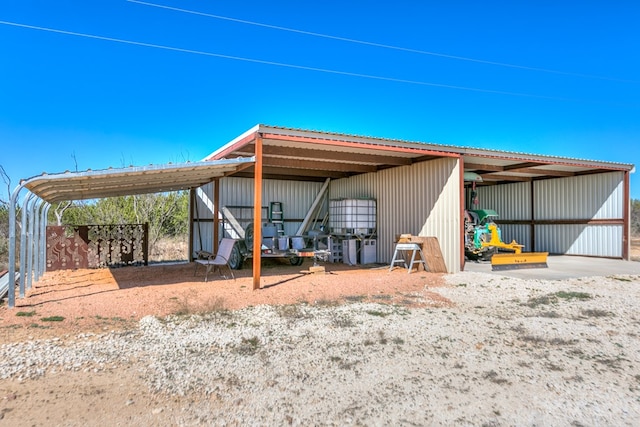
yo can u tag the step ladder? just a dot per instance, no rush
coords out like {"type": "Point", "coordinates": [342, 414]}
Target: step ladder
{"type": "Point", "coordinates": [276, 216]}
{"type": "Point", "coordinates": [402, 250]}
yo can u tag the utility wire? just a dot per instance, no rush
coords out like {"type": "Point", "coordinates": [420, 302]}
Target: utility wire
{"type": "Point", "coordinates": [281, 64]}
{"type": "Point", "coordinates": [307, 68]}
{"type": "Point", "coordinates": [381, 45]}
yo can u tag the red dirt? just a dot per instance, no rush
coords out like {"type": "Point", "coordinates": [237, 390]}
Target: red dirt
{"type": "Point", "coordinates": [113, 299]}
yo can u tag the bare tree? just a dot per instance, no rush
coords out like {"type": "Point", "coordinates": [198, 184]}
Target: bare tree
{"type": "Point", "coordinates": [156, 209]}
{"type": "Point", "coordinates": [7, 181]}
{"type": "Point", "coordinates": [59, 210]}
{"type": "Point", "coordinates": [4, 221]}
{"type": "Point", "coordinates": [63, 206]}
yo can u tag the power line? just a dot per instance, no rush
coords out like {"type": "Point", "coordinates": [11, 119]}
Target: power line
{"type": "Point", "coordinates": [307, 68]}
{"type": "Point", "coordinates": [381, 45]}
{"type": "Point", "coordinates": [281, 64]}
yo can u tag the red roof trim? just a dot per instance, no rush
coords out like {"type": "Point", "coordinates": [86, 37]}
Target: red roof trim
{"type": "Point", "coordinates": [230, 149]}
{"type": "Point", "coordinates": [351, 144]}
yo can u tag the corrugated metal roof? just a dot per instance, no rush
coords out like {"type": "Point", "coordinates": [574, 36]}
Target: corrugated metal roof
{"type": "Point", "coordinates": [465, 150]}
{"type": "Point", "coordinates": [306, 155]}
{"type": "Point", "coordinates": [303, 154]}
{"type": "Point", "coordinates": [132, 180]}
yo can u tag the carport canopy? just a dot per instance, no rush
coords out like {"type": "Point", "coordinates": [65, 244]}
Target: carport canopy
{"type": "Point", "coordinates": [132, 180]}
{"type": "Point", "coordinates": [86, 185]}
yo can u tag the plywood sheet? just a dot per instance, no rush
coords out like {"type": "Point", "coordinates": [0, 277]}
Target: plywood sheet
{"type": "Point", "coordinates": [432, 253]}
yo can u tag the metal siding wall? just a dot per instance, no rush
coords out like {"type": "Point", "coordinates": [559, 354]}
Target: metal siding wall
{"type": "Point", "coordinates": [596, 196]}
{"type": "Point", "coordinates": [204, 202]}
{"type": "Point", "coordinates": [356, 187]}
{"type": "Point", "coordinates": [296, 197]}
{"type": "Point", "coordinates": [421, 199]}
{"type": "Point", "coordinates": [600, 240]}
{"type": "Point", "coordinates": [510, 201]}
{"type": "Point", "coordinates": [444, 220]}
{"type": "Point", "coordinates": [518, 232]}
{"type": "Point", "coordinates": [237, 191]}
{"type": "Point", "coordinates": [204, 229]}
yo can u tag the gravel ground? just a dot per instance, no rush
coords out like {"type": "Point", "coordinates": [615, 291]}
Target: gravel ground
{"type": "Point", "coordinates": [507, 352]}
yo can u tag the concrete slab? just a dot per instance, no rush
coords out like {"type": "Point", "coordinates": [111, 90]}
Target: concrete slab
{"type": "Point", "coordinates": [564, 267]}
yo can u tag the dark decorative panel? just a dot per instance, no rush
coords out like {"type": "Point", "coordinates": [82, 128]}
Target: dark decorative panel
{"type": "Point", "coordinates": [97, 246]}
{"type": "Point", "coordinates": [65, 250]}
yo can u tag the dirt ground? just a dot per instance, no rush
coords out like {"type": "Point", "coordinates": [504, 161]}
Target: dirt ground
{"type": "Point", "coordinates": [68, 304]}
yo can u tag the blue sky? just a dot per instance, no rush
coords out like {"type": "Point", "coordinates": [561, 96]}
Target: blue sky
{"type": "Point", "coordinates": [543, 77]}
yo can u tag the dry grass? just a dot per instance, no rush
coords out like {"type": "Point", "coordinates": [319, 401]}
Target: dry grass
{"type": "Point", "coordinates": [189, 303]}
{"type": "Point", "coordinates": [635, 248]}
{"type": "Point", "coordinates": [169, 249]}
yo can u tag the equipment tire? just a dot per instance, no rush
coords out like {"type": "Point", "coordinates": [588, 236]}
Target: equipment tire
{"type": "Point", "coordinates": [235, 259]}
{"type": "Point", "coordinates": [488, 253]}
{"type": "Point", "coordinates": [248, 236]}
{"type": "Point", "coordinates": [296, 260]}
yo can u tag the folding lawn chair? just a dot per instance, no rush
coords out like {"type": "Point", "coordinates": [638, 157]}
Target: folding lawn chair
{"type": "Point", "coordinates": [219, 260]}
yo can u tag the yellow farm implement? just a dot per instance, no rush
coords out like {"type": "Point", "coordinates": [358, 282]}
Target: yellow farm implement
{"type": "Point", "coordinates": [515, 260]}
{"type": "Point", "coordinates": [483, 242]}
{"type": "Point", "coordinates": [519, 260]}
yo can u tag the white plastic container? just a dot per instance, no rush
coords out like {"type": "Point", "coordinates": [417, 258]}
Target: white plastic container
{"type": "Point", "coordinates": [355, 216]}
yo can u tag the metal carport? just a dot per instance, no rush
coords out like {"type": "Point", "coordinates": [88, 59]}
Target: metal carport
{"type": "Point", "coordinates": [46, 189]}
{"type": "Point", "coordinates": [350, 161]}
